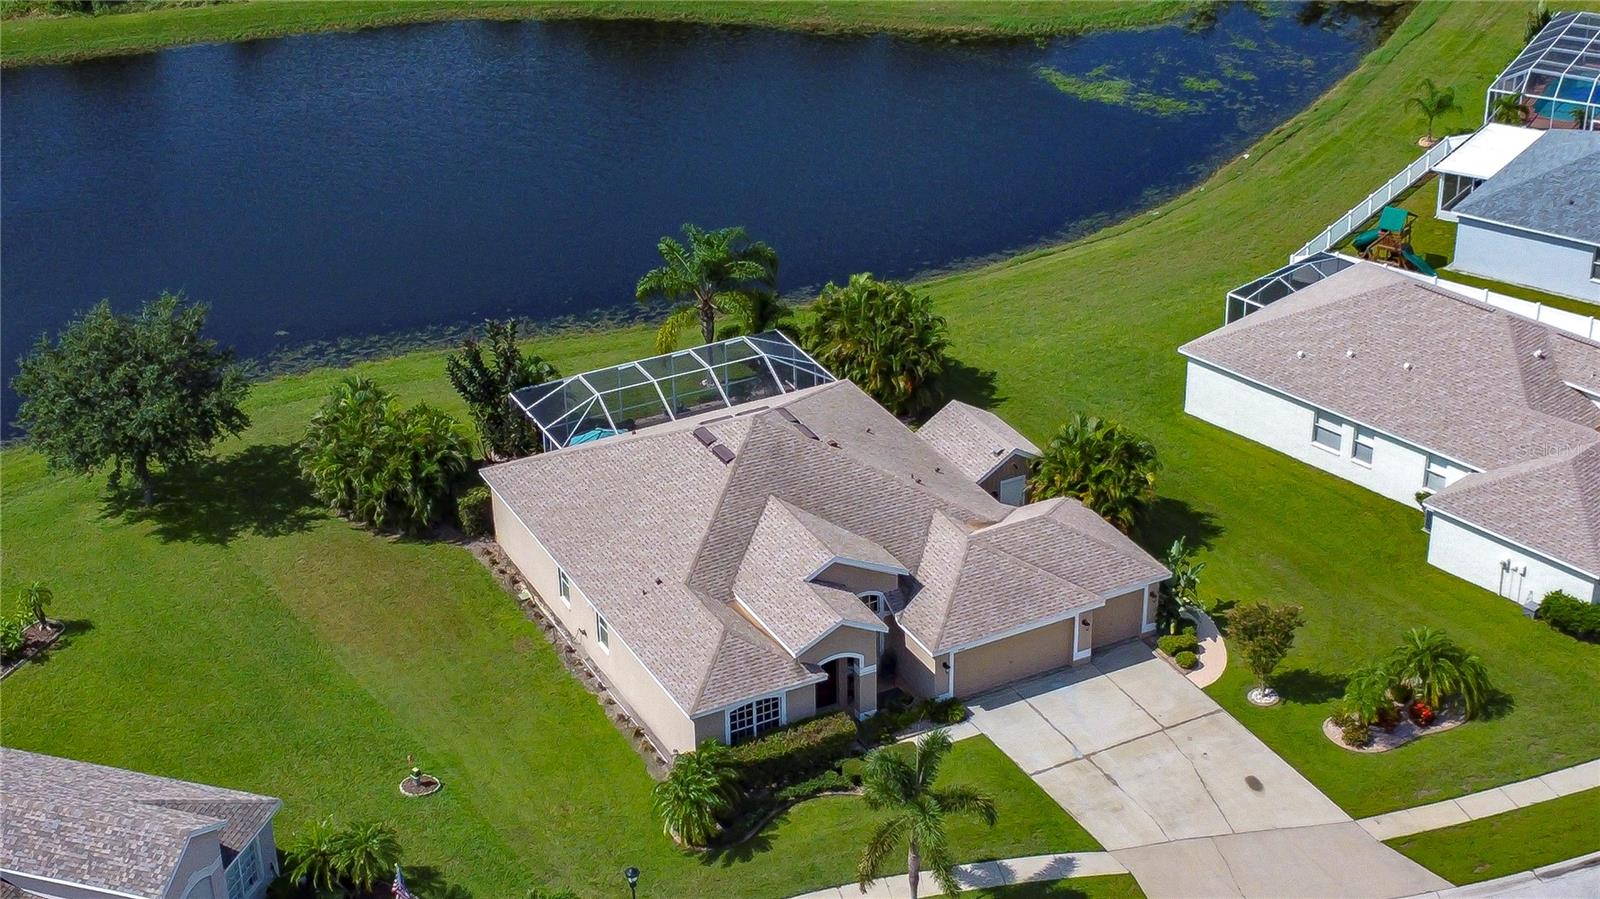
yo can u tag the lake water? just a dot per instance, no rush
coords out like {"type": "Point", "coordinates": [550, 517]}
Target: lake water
{"type": "Point", "coordinates": [331, 187]}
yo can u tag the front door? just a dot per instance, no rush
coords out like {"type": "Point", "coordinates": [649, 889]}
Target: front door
{"type": "Point", "coordinates": [828, 690]}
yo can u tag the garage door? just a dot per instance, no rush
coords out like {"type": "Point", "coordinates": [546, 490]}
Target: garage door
{"type": "Point", "coordinates": [991, 665]}
{"type": "Point", "coordinates": [1119, 620]}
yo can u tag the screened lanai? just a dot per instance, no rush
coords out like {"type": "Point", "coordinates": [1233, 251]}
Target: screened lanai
{"type": "Point", "coordinates": [634, 395]}
{"type": "Point", "coordinates": [1555, 81]}
{"type": "Point", "coordinates": [1279, 283]}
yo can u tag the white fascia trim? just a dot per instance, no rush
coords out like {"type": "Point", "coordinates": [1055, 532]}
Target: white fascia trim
{"type": "Point", "coordinates": [907, 631]}
{"type": "Point", "coordinates": [1015, 451]}
{"type": "Point", "coordinates": [216, 866]}
{"type": "Point", "coordinates": [857, 563]}
{"type": "Point", "coordinates": [1136, 585]}
{"type": "Point", "coordinates": [73, 883]}
{"type": "Point", "coordinates": [1022, 629]}
{"type": "Point", "coordinates": [845, 655]}
{"type": "Point", "coordinates": [189, 841]}
{"type": "Point", "coordinates": [1559, 563]}
{"type": "Point", "coordinates": [739, 601]}
{"type": "Point", "coordinates": [656, 680]}
{"type": "Point", "coordinates": [950, 684]}
{"type": "Point", "coordinates": [1318, 407]}
{"type": "Point", "coordinates": [1523, 228]}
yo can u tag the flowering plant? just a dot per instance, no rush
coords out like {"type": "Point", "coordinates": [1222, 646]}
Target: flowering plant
{"type": "Point", "coordinates": [1422, 713]}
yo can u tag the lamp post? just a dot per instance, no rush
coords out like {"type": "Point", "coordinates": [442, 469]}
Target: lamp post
{"type": "Point", "coordinates": [632, 874]}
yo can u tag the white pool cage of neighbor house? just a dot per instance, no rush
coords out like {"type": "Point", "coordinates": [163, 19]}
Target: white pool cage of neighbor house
{"type": "Point", "coordinates": [1556, 78]}
{"type": "Point", "coordinates": [624, 398]}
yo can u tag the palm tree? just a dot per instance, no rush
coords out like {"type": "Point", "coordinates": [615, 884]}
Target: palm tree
{"type": "Point", "coordinates": [719, 271]}
{"type": "Point", "coordinates": [699, 788]}
{"type": "Point", "coordinates": [906, 788]}
{"type": "Point", "coordinates": [1366, 692]}
{"type": "Point", "coordinates": [314, 857]}
{"type": "Point", "coordinates": [1509, 109]}
{"type": "Point", "coordinates": [1101, 464]}
{"type": "Point", "coordinates": [366, 852]}
{"type": "Point", "coordinates": [36, 596]}
{"type": "Point", "coordinates": [883, 337]}
{"type": "Point", "coordinates": [1436, 668]}
{"type": "Point", "coordinates": [1433, 102]}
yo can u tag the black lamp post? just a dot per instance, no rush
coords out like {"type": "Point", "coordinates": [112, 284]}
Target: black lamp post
{"type": "Point", "coordinates": [632, 874]}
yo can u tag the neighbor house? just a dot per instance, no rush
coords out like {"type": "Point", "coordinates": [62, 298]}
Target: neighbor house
{"type": "Point", "coordinates": [745, 550]}
{"type": "Point", "coordinates": [1487, 418]}
{"type": "Point", "coordinates": [1534, 218]}
{"type": "Point", "coordinates": [72, 830]}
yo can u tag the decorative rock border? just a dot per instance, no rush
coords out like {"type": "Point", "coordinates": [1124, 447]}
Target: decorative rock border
{"type": "Point", "coordinates": [1263, 698]}
{"type": "Point", "coordinates": [426, 785]}
{"type": "Point", "coordinates": [1404, 732]}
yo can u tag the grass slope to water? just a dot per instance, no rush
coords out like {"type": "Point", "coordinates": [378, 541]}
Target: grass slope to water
{"type": "Point", "coordinates": [47, 39]}
{"type": "Point", "coordinates": [241, 637]}
{"type": "Point", "coordinates": [1519, 840]}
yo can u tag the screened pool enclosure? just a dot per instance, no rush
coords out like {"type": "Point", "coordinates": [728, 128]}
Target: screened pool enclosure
{"type": "Point", "coordinates": [1279, 283]}
{"type": "Point", "coordinates": [1556, 79]}
{"type": "Point", "coordinates": [634, 395]}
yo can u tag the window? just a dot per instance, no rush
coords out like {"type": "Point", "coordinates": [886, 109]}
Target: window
{"type": "Point", "coordinates": [1327, 433]}
{"type": "Point", "coordinates": [602, 631]}
{"type": "Point", "coordinates": [1454, 188]}
{"type": "Point", "coordinates": [1361, 447]}
{"type": "Point", "coordinates": [244, 873]}
{"type": "Point", "coordinates": [753, 719]}
{"type": "Point", "coordinates": [876, 601]}
{"type": "Point", "coordinates": [1594, 267]}
{"type": "Point", "coordinates": [564, 587]}
{"type": "Point", "coordinates": [1436, 475]}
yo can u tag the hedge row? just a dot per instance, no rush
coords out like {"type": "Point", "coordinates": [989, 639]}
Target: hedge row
{"type": "Point", "coordinates": [1570, 615]}
{"type": "Point", "coordinates": [795, 752]}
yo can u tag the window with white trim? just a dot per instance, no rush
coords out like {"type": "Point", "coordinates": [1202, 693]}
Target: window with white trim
{"type": "Point", "coordinates": [564, 587]}
{"type": "Point", "coordinates": [1327, 433]}
{"type": "Point", "coordinates": [876, 601]}
{"type": "Point", "coordinates": [602, 631]}
{"type": "Point", "coordinates": [1437, 475]}
{"type": "Point", "coordinates": [753, 719]}
{"type": "Point", "coordinates": [245, 872]}
{"type": "Point", "coordinates": [1361, 446]}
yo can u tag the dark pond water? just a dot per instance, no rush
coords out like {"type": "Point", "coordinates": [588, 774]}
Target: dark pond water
{"type": "Point", "coordinates": [331, 187]}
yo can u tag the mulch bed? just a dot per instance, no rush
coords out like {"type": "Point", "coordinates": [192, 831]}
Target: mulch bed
{"type": "Point", "coordinates": [37, 639]}
{"type": "Point", "coordinates": [1403, 733]}
{"type": "Point", "coordinates": [426, 785]}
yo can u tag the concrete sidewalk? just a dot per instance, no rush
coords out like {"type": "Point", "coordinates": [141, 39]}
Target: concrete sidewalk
{"type": "Point", "coordinates": [1485, 803]}
{"type": "Point", "coordinates": [983, 875]}
{"type": "Point", "coordinates": [1575, 878]}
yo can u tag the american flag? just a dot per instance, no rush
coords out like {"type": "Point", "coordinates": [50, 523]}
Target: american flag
{"type": "Point", "coordinates": [400, 891]}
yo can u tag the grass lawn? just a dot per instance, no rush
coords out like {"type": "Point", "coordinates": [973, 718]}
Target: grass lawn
{"type": "Point", "coordinates": [240, 637]}
{"type": "Point", "coordinates": [1113, 886]}
{"type": "Point", "coordinates": [1514, 841]}
{"type": "Point", "coordinates": [45, 39]}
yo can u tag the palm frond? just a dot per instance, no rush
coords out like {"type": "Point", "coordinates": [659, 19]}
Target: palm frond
{"type": "Point", "coordinates": [886, 838]}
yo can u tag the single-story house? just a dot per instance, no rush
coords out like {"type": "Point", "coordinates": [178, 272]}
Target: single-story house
{"type": "Point", "coordinates": [738, 568]}
{"type": "Point", "coordinates": [1535, 221]}
{"type": "Point", "coordinates": [72, 830]}
{"type": "Point", "coordinates": [1490, 418]}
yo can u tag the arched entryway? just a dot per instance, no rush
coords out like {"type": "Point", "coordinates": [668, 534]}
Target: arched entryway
{"type": "Point", "coordinates": [842, 689]}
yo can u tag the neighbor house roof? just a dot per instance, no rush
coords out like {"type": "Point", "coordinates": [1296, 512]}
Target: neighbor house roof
{"type": "Point", "coordinates": [1550, 505]}
{"type": "Point", "coordinates": [1455, 377]}
{"type": "Point", "coordinates": [668, 533]}
{"type": "Point", "coordinates": [1488, 151]}
{"type": "Point", "coordinates": [1552, 187]}
{"type": "Point", "coordinates": [976, 440]}
{"type": "Point", "coordinates": [112, 829]}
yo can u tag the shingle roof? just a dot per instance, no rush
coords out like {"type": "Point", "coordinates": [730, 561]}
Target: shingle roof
{"type": "Point", "coordinates": [663, 537]}
{"type": "Point", "coordinates": [1549, 505]}
{"type": "Point", "coordinates": [976, 440]}
{"type": "Point", "coordinates": [109, 828]}
{"type": "Point", "coordinates": [1459, 378]}
{"type": "Point", "coordinates": [1552, 187]}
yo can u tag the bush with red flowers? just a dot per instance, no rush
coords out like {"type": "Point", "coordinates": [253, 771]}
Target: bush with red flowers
{"type": "Point", "coordinates": [1422, 713]}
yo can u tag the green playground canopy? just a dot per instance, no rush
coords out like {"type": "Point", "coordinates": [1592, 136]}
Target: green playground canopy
{"type": "Point", "coordinates": [1393, 218]}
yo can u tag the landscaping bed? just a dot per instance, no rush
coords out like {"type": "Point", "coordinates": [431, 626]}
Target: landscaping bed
{"type": "Point", "coordinates": [36, 639]}
{"type": "Point", "coordinates": [1404, 731]}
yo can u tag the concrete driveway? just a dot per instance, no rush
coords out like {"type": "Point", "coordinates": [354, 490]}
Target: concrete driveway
{"type": "Point", "coordinates": [1153, 768]}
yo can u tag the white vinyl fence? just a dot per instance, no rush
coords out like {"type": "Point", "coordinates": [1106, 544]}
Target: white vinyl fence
{"type": "Point", "coordinates": [1380, 198]}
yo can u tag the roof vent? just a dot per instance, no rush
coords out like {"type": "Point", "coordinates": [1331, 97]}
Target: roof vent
{"type": "Point", "coordinates": [1349, 354]}
{"type": "Point", "coordinates": [1406, 366]}
{"type": "Point", "coordinates": [722, 453]}
{"type": "Point", "coordinates": [1299, 354]}
{"type": "Point", "coordinates": [705, 437]}
{"type": "Point", "coordinates": [1539, 353]}
{"type": "Point", "coordinates": [834, 444]}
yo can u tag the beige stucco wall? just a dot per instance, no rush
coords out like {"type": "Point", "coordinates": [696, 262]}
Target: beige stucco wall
{"type": "Point", "coordinates": [919, 673]}
{"type": "Point", "coordinates": [1120, 619]}
{"type": "Point", "coordinates": [1012, 467]}
{"type": "Point", "coordinates": [858, 580]}
{"type": "Point", "coordinates": [991, 665]}
{"type": "Point", "coordinates": [845, 640]}
{"type": "Point", "coordinates": [624, 674]}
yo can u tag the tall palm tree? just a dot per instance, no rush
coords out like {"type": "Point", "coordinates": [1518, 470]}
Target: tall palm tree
{"type": "Point", "coordinates": [1436, 668]}
{"type": "Point", "coordinates": [366, 852]}
{"type": "Point", "coordinates": [36, 596]}
{"type": "Point", "coordinates": [905, 787]}
{"type": "Point", "coordinates": [1434, 102]}
{"type": "Point", "coordinates": [885, 338]}
{"type": "Point", "coordinates": [718, 271]}
{"type": "Point", "coordinates": [1101, 464]}
{"type": "Point", "coordinates": [699, 787]}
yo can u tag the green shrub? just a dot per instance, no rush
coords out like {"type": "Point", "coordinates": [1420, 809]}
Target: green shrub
{"type": "Point", "coordinates": [14, 633]}
{"type": "Point", "coordinates": [795, 752]}
{"type": "Point", "coordinates": [1352, 729]}
{"type": "Point", "coordinates": [1172, 644]}
{"type": "Point", "coordinates": [1186, 660]}
{"type": "Point", "coordinates": [851, 768]}
{"type": "Point", "coordinates": [1570, 615]}
{"type": "Point", "coordinates": [945, 711]}
{"type": "Point", "coordinates": [474, 513]}
{"type": "Point", "coordinates": [827, 781]}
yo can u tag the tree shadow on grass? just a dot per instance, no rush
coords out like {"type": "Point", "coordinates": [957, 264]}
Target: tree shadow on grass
{"type": "Point", "coordinates": [1169, 518]}
{"type": "Point", "coordinates": [1497, 704]}
{"type": "Point", "coordinates": [1308, 687]}
{"type": "Point", "coordinates": [257, 491]}
{"type": "Point", "coordinates": [427, 882]}
{"type": "Point", "coordinates": [969, 384]}
{"type": "Point", "coordinates": [746, 850]}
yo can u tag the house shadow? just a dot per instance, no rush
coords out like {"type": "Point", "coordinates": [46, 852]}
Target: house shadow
{"type": "Point", "coordinates": [257, 491]}
{"type": "Point", "coordinates": [1307, 686]}
{"type": "Point", "coordinates": [969, 384]}
{"type": "Point", "coordinates": [1168, 519]}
